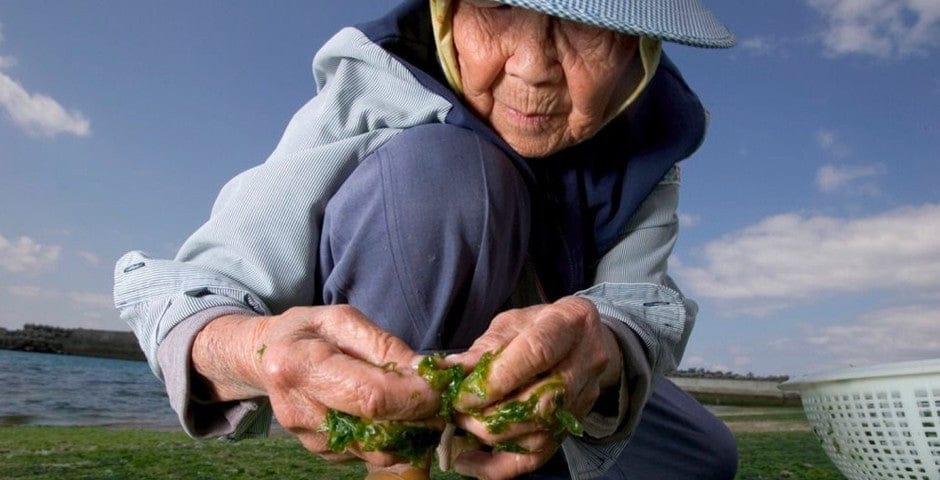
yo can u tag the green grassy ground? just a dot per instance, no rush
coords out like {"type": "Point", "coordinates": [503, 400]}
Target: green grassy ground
{"type": "Point", "coordinates": [783, 455]}
{"type": "Point", "coordinates": [57, 453]}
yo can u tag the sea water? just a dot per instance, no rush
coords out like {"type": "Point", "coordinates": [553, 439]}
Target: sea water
{"type": "Point", "coordinates": [49, 389]}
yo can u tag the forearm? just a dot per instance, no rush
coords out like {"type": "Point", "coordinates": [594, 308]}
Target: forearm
{"type": "Point", "coordinates": [226, 358]}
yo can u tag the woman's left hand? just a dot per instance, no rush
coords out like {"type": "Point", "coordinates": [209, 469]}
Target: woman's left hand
{"type": "Point", "coordinates": [537, 344]}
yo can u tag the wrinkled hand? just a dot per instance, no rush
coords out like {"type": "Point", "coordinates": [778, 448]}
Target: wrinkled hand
{"type": "Point", "coordinates": [312, 359]}
{"type": "Point", "coordinates": [538, 344]}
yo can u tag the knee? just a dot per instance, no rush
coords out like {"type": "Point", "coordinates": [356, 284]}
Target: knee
{"type": "Point", "coordinates": [447, 169]}
{"type": "Point", "coordinates": [722, 454]}
{"type": "Point", "coordinates": [444, 175]}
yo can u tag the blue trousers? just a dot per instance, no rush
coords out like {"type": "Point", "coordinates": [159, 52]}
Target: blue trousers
{"type": "Point", "coordinates": [427, 238]}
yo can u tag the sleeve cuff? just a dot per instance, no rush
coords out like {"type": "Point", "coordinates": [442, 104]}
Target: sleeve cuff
{"type": "Point", "coordinates": [199, 418]}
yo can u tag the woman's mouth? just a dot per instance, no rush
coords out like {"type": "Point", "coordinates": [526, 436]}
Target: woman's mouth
{"type": "Point", "coordinates": [527, 119]}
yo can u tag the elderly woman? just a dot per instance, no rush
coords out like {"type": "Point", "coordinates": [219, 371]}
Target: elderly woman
{"type": "Point", "coordinates": [471, 176]}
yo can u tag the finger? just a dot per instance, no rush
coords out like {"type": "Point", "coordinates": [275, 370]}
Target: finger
{"type": "Point", "coordinates": [500, 465]}
{"type": "Point", "coordinates": [583, 369]}
{"type": "Point", "coordinates": [532, 352]}
{"type": "Point", "coordinates": [530, 411]}
{"type": "Point", "coordinates": [379, 459]}
{"type": "Point", "coordinates": [380, 442]}
{"type": "Point", "coordinates": [537, 442]}
{"type": "Point", "coordinates": [354, 334]}
{"type": "Point", "coordinates": [478, 428]}
{"type": "Point", "coordinates": [316, 442]}
{"type": "Point", "coordinates": [297, 412]}
{"type": "Point", "coordinates": [501, 331]}
{"type": "Point", "coordinates": [581, 386]}
{"type": "Point", "coordinates": [350, 385]}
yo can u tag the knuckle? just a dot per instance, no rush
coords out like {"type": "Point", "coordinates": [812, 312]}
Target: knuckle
{"type": "Point", "coordinates": [507, 317]}
{"type": "Point", "coordinates": [579, 309]}
{"type": "Point", "coordinates": [314, 443]}
{"type": "Point", "coordinates": [345, 311]}
{"type": "Point", "coordinates": [384, 345]}
{"type": "Point", "coordinates": [372, 402]}
{"type": "Point", "coordinates": [277, 371]}
{"type": "Point", "coordinates": [296, 313]}
{"type": "Point", "coordinates": [524, 464]}
{"type": "Point", "coordinates": [540, 351]}
{"type": "Point", "coordinates": [595, 360]}
{"type": "Point", "coordinates": [592, 392]}
{"type": "Point", "coordinates": [289, 421]}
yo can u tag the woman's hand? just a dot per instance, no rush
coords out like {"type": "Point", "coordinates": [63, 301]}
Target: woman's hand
{"type": "Point", "coordinates": [538, 345]}
{"type": "Point", "coordinates": [312, 359]}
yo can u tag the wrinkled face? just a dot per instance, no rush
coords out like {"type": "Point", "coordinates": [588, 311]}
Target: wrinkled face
{"type": "Point", "coordinates": [543, 83]}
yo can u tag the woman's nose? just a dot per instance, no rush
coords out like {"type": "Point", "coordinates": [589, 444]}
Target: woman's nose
{"type": "Point", "coordinates": [534, 58]}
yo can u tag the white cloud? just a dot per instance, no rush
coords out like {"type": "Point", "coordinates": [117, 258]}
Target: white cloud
{"type": "Point", "coordinates": [81, 299]}
{"type": "Point", "coordinates": [94, 300]}
{"type": "Point", "coordinates": [689, 220]}
{"type": "Point", "coordinates": [35, 113]}
{"type": "Point", "coordinates": [759, 46]}
{"type": "Point", "coordinates": [90, 258]}
{"type": "Point", "coordinates": [788, 258]}
{"type": "Point", "coordinates": [895, 334]}
{"type": "Point", "coordinates": [39, 114]}
{"type": "Point", "coordinates": [5, 61]}
{"type": "Point", "coordinates": [25, 291]}
{"type": "Point", "coordinates": [880, 28]}
{"type": "Point", "coordinates": [828, 141]}
{"type": "Point", "coordinates": [25, 255]}
{"type": "Point", "coordinates": [833, 178]}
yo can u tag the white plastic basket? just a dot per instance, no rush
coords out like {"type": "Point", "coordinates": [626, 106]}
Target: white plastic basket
{"type": "Point", "coordinates": [880, 422]}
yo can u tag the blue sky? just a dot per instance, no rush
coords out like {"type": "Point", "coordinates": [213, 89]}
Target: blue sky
{"type": "Point", "coordinates": [810, 217]}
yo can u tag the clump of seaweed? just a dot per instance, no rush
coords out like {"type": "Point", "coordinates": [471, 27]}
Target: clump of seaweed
{"type": "Point", "coordinates": [414, 441]}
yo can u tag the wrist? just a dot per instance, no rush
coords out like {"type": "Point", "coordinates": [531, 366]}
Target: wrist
{"type": "Point", "coordinates": [226, 357]}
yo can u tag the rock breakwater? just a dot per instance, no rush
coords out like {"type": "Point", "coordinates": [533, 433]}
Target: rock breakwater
{"type": "Point", "coordinates": [72, 341]}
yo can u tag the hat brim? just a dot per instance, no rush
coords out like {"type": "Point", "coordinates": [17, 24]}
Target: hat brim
{"type": "Point", "coordinates": [687, 22]}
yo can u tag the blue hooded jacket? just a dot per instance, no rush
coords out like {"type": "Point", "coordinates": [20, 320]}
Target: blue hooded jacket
{"type": "Point", "coordinates": [584, 195]}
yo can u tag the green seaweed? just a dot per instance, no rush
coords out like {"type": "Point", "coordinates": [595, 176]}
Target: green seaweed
{"type": "Point", "coordinates": [509, 446]}
{"type": "Point", "coordinates": [568, 423]}
{"type": "Point", "coordinates": [520, 411]}
{"type": "Point", "coordinates": [391, 367]}
{"type": "Point", "coordinates": [414, 442]}
{"type": "Point", "coordinates": [515, 411]}
{"type": "Point", "coordinates": [447, 381]}
{"type": "Point", "coordinates": [475, 382]}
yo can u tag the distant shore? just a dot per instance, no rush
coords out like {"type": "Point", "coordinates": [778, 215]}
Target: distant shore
{"type": "Point", "coordinates": [72, 341]}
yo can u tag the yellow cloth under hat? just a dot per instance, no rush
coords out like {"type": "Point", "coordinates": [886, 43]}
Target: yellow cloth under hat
{"type": "Point", "coordinates": [441, 20]}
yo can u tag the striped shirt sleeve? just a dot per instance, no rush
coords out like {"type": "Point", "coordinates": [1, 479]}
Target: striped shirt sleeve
{"type": "Point", "coordinates": [639, 301]}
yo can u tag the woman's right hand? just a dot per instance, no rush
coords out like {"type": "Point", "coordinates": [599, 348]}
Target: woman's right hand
{"type": "Point", "coordinates": [312, 359]}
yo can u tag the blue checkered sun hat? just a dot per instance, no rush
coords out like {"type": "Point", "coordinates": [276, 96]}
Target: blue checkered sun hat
{"type": "Point", "coordinates": [682, 21]}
